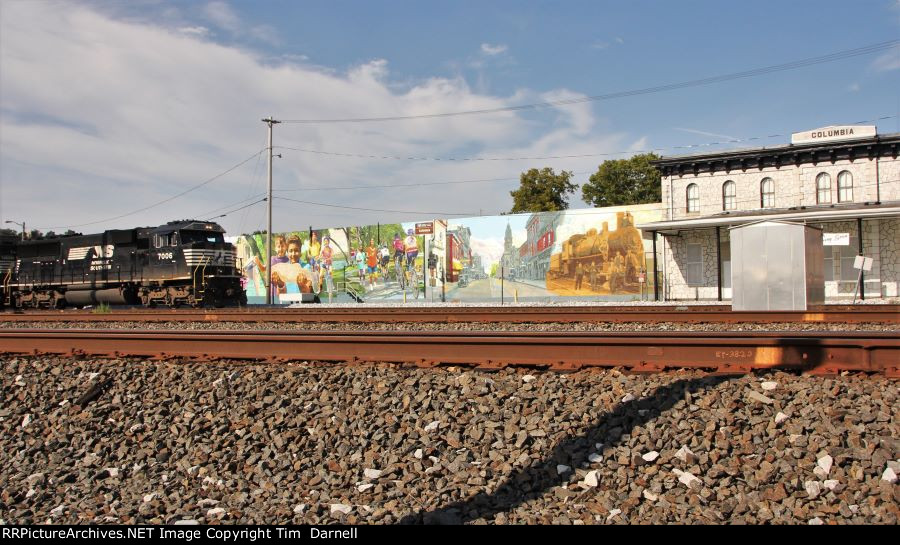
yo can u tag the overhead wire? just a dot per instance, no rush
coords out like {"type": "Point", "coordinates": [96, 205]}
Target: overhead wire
{"type": "Point", "coordinates": [170, 199]}
{"type": "Point", "coordinates": [418, 184]}
{"type": "Point", "coordinates": [417, 212]}
{"type": "Point", "coordinates": [231, 205]}
{"type": "Point", "coordinates": [793, 65]}
{"type": "Point", "coordinates": [425, 184]}
{"type": "Point", "coordinates": [538, 158]}
{"type": "Point", "coordinates": [254, 182]}
{"type": "Point", "coordinates": [237, 209]}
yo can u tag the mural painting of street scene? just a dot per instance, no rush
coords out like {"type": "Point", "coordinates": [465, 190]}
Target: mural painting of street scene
{"type": "Point", "coordinates": [342, 264]}
{"type": "Point", "coordinates": [589, 253]}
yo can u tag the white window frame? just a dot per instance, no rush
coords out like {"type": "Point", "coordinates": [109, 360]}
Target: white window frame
{"type": "Point", "coordinates": [823, 191]}
{"type": "Point", "coordinates": [847, 256]}
{"type": "Point", "coordinates": [845, 189]}
{"type": "Point", "coordinates": [729, 195]}
{"type": "Point", "coordinates": [767, 193]}
{"type": "Point", "coordinates": [692, 194]}
{"type": "Point", "coordinates": [695, 279]}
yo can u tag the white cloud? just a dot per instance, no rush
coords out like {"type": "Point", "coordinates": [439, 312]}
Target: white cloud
{"type": "Point", "coordinates": [605, 44]}
{"type": "Point", "coordinates": [853, 88]}
{"type": "Point", "coordinates": [200, 31]}
{"type": "Point", "coordinates": [106, 116]}
{"type": "Point", "coordinates": [221, 14]}
{"type": "Point", "coordinates": [889, 60]}
{"type": "Point", "coordinates": [705, 133]}
{"type": "Point", "coordinates": [490, 250]}
{"type": "Point", "coordinates": [640, 145]}
{"type": "Point", "coordinates": [489, 49]}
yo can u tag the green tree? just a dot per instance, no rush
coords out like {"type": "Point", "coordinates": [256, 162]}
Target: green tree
{"type": "Point", "coordinates": [542, 190]}
{"type": "Point", "coordinates": [494, 269]}
{"type": "Point", "coordinates": [624, 181]}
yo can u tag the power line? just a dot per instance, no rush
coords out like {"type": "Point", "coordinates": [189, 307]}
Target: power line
{"type": "Point", "coordinates": [252, 188]}
{"type": "Point", "coordinates": [453, 159]}
{"type": "Point", "coordinates": [539, 158]}
{"type": "Point", "coordinates": [236, 209]}
{"type": "Point", "coordinates": [421, 184]}
{"type": "Point", "coordinates": [419, 212]}
{"type": "Point", "coordinates": [793, 65]}
{"type": "Point", "coordinates": [172, 198]}
{"type": "Point", "coordinates": [242, 201]}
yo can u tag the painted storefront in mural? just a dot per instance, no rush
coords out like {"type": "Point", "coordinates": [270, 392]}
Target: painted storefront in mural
{"type": "Point", "coordinates": [341, 264]}
{"type": "Point", "coordinates": [588, 254]}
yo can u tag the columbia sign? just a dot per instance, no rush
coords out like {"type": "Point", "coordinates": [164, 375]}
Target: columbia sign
{"type": "Point", "coordinates": [829, 134]}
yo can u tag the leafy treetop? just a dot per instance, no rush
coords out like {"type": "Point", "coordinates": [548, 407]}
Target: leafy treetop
{"type": "Point", "coordinates": [542, 191]}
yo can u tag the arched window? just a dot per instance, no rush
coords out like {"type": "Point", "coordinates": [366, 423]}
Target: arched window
{"type": "Point", "coordinates": [693, 198]}
{"type": "Point", "coordinates": [823, 188]}
{"type": "Point", "coordinates": [767, 193]}
{"type": "Point", "coordinates": [845, 187]}
{"type": "Point", "coordinates": [729, 192]}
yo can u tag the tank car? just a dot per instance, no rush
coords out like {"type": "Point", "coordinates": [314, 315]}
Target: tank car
{"type": "Point", "coordinates": [183, 262]}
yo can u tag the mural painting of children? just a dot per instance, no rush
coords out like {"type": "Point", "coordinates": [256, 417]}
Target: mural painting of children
{"type": "Point", "coordinates": [280, 256]}
{"type": "Point", "coordinates": [325, 259]}
{"type": "Point", "coordinates": [372, 261]}
{"type": "Point", "coordinates": [291, 277]}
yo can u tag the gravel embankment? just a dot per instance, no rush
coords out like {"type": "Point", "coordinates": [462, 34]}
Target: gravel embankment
{"type": "Point", "coordinates": [253, 443]}
{"type": "Point", "coordinates": [458, 326]}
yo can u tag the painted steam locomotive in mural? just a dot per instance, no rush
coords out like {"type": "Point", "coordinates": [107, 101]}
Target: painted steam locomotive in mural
{"type": "Point", "coordinates": [605, 261]}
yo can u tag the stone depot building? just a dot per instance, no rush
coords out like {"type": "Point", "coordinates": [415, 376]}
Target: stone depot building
{"type": "Point", "coordinates": [845, 180]}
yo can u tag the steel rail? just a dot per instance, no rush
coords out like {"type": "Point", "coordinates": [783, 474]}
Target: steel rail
{"type": "Point", "coordinates": [685, 314]}
{"type": "Point", "coordinates": [725, 352]}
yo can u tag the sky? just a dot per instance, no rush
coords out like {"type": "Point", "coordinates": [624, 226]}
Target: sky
{"type": "Point", "coordinates": [112, 113]}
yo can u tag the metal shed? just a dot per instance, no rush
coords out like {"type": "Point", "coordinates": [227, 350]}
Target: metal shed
{"type": "Point", "coordinates": [777, 265]}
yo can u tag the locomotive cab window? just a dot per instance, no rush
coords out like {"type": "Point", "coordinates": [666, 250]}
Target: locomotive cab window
{"type": "Point", "coordinates": [188, 237]}
{"type": "Point", "coordinates": [168, 239]}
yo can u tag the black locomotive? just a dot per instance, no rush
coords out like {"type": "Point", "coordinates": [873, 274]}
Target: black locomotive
{"type": "Point", "coordinates": [183, 262]}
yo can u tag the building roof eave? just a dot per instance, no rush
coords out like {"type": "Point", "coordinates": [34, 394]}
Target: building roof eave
{"type": "Point", "coordinates": [892, 139]}
{"type": "Point", "coordinates": [820, 215]}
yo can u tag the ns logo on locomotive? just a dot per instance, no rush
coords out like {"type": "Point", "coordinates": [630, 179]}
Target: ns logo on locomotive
{"type": "Point", "coordinates": [180, 263]}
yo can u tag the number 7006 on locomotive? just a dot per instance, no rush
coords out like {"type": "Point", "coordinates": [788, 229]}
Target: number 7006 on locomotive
{"type": "Point", "coordinates": [182, 262]}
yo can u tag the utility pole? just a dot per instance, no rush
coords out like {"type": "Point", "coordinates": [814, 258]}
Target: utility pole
{"type": "Point", "coordinates": [269, 121]}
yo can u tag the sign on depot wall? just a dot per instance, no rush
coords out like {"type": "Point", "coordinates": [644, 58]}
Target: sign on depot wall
{"type": "Point", "coordinates": [833, 133]}
{"type": "Point", "coordinates": [836, 239]}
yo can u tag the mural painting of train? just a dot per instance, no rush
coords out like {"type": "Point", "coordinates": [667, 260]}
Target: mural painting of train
{"type": "Point", "coordinates": [616, 257]}
{"type": "Point", "coordinates": [183, 262]}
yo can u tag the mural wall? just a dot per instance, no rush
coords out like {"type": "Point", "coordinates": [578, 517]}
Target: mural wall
{"type": "Point", "coordinates": [342, 264]}
{"type": "Point", "coordinates": [584, 254]}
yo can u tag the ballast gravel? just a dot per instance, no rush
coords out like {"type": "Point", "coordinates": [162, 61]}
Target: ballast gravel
{"type": "Point", "coordinates": [230, 442]}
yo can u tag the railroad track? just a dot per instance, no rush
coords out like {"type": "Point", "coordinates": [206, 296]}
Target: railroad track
{"type": "Point", "coordinates": [450, 314]}
{"type": "Point", "coordinates": [723, 352]}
